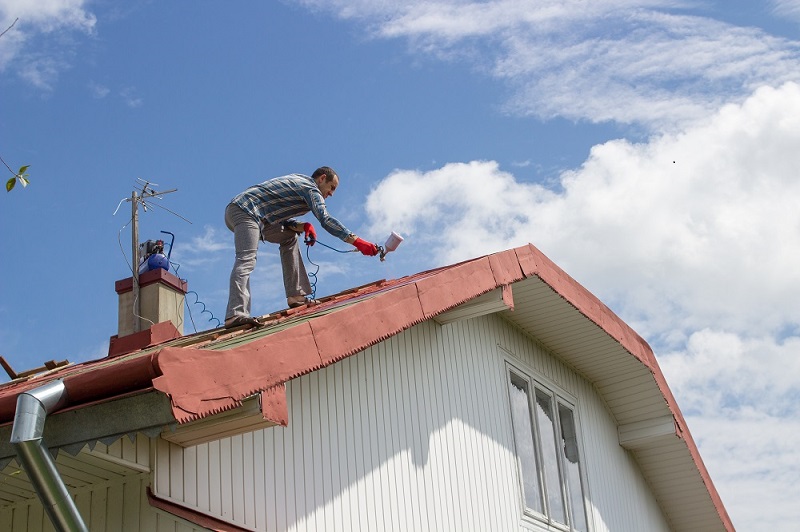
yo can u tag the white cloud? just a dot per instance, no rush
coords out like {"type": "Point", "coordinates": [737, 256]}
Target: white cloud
{"type": "Point", "coordinates": [211, 246]}
{"type": "Point", "coordinates": [98, 90]}
{"type": "Point", "coordinates": [688, 230]}
{"type": "Point", "coordinates": [739, 396]}
{"type": "Point", "coordinates": [211, 241]}
{"type": "Point", "coordinates": [722, 372]}
{"type": "Point", "coordinates": [787, 8]}
{"type": "Point", "coordinates": [753, 459]}
{"type": "Point", "coordinates": [460, 210]}
{"type": "Point", "coordinates": [130, 97]}
{"type": "Point", "coordinates": [41, 71]}
{"type": "Point", "coordinates": [36, 46]}
{"type": "Point", "coordinates": [693, 238]}
{"type": "Point", "coordinates": [630, 61]}
{"type": "Point", "coordinates": [48, 15]}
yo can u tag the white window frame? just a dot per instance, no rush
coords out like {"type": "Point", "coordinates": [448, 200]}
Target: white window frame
{"type": "Point", "coordinates": [542, 520]}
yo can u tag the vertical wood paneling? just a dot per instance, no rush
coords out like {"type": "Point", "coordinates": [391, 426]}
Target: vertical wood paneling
{"type": "Point", "coordinates": [490, 413]}
{"type": "Point", "coordinates": [315, 478]}
{"type": "Point", "coordinates": [331, 445]}
{"type": "Point", "coordinates": [97, 504]}
{"type": "Point", "coordinates": [259, 499]}
{"type": "Point", "coordinates": [274, 481]}
{"type": "Point", "coordinates": [162, 473]}
{"type": "Point", "coordinates": [387, 506]}
{"type": "Point", "coordinates": [455, 356]}
{"type": "Point", "coordinates": [6, 518]}
{"type": "Point", "coordinates": [390, 436]}
{"type": "Point", "coordinates": [238, 476]}
{"type": "Point", "coordinates": [372, 458]}
{"type": "Point", "coordinates": [226, 477]}
{"type": "Point", "coordinates": [439, 453]}
{"type": "Point", "coordinates": [83, 502]}
{"type": "Point", "coordinates": [37, 517]}
{"type": "Point", "coordinates": [131, 495]}
{"type": "Point", "coordinates": [450, 439]}
{"type": "Point", "coordinates": [400, 432]}
{"type": "Point", "coordinates": [20, 522]}
{"type": "Point", "coordinates": [178, 472]}
{"type": "Point", "coordinates": [189, 466]}
{"type": "Point", "coordinates": [280, 476]}
{"type": "Point", "coordinates": [291, 478]}
{"type": "Point", "coordinates": [202, 476]}
{"type": "Point", "coordinates": [247, 483]}
{"type": "Point", "coordinates": [302, 453]}
{"type": "Point", "coordinates": [416, 425]}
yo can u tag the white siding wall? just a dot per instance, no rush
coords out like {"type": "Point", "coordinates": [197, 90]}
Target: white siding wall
{"type": "Point", "coordinates": [412, 434]}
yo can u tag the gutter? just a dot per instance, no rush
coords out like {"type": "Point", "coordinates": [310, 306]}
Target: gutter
{"type": "Point", "coordinates": [26, 437]}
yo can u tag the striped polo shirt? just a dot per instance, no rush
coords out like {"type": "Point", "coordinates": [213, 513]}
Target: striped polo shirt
{"type": "Point", "coordinates": [282, 198]}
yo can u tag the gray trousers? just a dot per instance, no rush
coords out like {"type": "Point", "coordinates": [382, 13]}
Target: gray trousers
{"type": "Point", "coordinates": [246, 234]}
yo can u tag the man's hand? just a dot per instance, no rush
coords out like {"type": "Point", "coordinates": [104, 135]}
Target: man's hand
{"type": "Point", "coordinates": [366, 248]}
{"type": "Point", "coordinates": [310, 234]}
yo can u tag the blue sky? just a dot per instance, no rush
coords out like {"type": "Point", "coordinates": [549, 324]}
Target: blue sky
{"type": "Point", "coordinates": [649, 147]}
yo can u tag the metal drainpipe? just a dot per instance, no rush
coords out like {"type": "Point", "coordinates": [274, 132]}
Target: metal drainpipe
{"type": "Point", "coordinates": [26, 437]}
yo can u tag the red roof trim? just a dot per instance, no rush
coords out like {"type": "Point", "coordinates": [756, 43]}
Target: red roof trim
{"type": "Point", "coordinates": [274, 406]}
{"type": "Point", "coordinates": [89, 382]}
{"type": "Point", "coordinates": [455, 286]}
{"type": "Point", "coordinates": [193, 516]}
{"type": "Point", "coordinates": [202, 382]}
{"type": "Point", "coordinates": [354, 328]}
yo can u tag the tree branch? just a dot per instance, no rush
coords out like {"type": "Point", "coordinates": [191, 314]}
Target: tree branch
{"type": "Point", "coordinates": [8, 28]}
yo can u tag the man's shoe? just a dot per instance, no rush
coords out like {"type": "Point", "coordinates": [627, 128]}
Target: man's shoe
{"type": "Point", "coordinates": [299, 301]}
{"type": "Point", "coordinates": [236, 321]}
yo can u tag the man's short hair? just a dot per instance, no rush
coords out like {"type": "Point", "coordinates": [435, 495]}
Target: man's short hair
{"type": "Point", "coordinates": [327, 171]}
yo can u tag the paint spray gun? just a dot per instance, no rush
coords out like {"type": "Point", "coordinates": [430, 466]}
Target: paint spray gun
{"type": "Point", "coordinates": [391, 244]}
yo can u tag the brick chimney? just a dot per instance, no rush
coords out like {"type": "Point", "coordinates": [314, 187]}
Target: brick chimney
{"type": "Point", "coordinates": [161, 302]}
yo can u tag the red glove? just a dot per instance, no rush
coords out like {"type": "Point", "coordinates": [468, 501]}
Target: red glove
{"type": "Point", "coordinates": [310, 234]}
{"type": "Point", "coordinates": [366, 248]}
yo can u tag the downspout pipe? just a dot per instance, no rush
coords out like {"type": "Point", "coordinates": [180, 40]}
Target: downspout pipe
{"type": "Point", "coordinates": [26, 438]}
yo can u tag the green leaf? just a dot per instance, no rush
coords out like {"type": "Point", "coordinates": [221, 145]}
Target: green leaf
{"type": "Point", "coordinates": [23, 169]}
{"type": "Point", "coordinates": [10, 184]}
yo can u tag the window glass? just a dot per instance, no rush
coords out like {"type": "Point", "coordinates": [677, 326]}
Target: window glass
{"type": "Point", "coordinates": [523, 438]}
{"type": "Point", "coordinates": [547, 437]}
{"type": "Point", "coordinates": [572, 471]}
{"type": "Point", "coordinates": [548, 453]}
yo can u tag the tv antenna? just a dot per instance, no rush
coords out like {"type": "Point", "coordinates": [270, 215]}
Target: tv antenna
{"type": "Point", "coordinates": [142, 194]}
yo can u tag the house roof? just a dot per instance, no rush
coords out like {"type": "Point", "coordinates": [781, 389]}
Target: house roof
{"type": "Point", "coordinates": [210, 373]}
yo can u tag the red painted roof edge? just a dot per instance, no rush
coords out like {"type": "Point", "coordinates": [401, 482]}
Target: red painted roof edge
{"type": "Point", "coordinates": [206, 521]}
{"type": "Point", "coordinates": [274, 405]}
{"type": "Point", "coordinates": [89, 382]}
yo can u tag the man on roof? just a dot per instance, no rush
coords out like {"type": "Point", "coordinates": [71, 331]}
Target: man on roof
{"type": "Point", "coordinates": [265, 212]}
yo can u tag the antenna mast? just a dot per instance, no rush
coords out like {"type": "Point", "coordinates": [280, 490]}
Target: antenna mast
{"type": "Point", "coordinates": [147, 192]}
